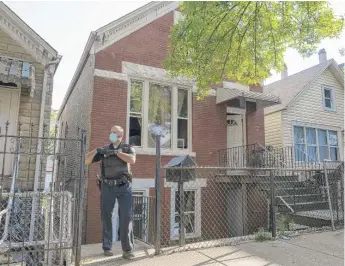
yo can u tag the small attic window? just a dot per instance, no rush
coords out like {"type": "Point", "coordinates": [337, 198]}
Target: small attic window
{"type": "Point", "coordinates": [328, 95]}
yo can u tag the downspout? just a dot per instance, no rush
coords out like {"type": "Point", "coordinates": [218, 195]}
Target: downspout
{"type": "Point", "coordinates": [40, 140]}
{"type": "Point", "coordinates": [41, 121]}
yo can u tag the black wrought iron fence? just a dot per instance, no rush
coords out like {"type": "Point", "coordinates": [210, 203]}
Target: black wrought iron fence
{"type": "Point", "coordinates": [259, 156]}
{"type": "Point", "coordinates": [143, 218]}
{"type": "Point", "coordinates": [41, 207]}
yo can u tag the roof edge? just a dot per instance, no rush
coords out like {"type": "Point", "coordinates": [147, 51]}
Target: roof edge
{"type": "Point", "coordinates": [330, 62]}
{"type": "Point", "coordinates": [122, 19]}
{"type": "Point", "coordinates": [78, 71]}
{"type": "Point", "coordinates": [131, 22]}
{"type": "Point", "coordinates": [27, 29]}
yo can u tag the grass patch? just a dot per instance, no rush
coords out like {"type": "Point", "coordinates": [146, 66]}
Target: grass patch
{"type": "Point", "coordinates": [262, 235]}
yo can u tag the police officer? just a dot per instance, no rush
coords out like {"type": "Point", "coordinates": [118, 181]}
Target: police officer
{"type": "Point", "coordinates": [116, 179]}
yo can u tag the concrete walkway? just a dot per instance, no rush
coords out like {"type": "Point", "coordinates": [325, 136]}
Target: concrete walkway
{"type": "Point", "coordinates": [326, 248]}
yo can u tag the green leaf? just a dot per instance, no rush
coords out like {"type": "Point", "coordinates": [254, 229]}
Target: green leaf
{"type": "Point", "coordinates": [244, 40]}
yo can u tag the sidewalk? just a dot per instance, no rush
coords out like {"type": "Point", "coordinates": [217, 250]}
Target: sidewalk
{"type": "Point", "coordinates": [325, 248]}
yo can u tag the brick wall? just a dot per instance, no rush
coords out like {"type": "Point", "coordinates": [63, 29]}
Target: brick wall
{"type": "Point", "coordinates": [255, 124]}
{"type": "Point", "coordinates": [147, 46]}
{"type": "Point", "coordinates": [29, 110]}
{"type": "Point", "coordinates": [76, 116]}
{"type": "Point", "coordinates": [255, 120]}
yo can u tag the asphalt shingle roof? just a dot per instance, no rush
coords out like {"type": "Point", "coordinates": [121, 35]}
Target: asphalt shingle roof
{"type": "Point", "coordinates": [287, 88]}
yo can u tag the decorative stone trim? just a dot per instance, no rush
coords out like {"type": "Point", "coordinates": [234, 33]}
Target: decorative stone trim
{"type": "Point", "coordinates": [153, 73]}
{"type": "Point", "coordinates": [110, 74]}
{"type": "Point", "coordinates": [21, 33]}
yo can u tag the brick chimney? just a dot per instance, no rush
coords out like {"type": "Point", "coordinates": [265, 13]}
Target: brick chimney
{"type": "Point", "coordinates": [284, 73]}
{"type": "Point", "coordinates": [322, 56]}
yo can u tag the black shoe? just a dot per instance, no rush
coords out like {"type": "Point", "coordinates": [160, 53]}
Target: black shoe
{"type": "Point", "coordinates": [128, 255]}
{"type": "Point", "coordinates": [108, 253]}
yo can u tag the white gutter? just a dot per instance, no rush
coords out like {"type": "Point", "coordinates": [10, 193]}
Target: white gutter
{"type": "Point", "coordinates": [40, 135]}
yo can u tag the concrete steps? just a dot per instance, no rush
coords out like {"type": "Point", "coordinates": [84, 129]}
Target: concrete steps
{"type": "Point", "coordinates": [304, 199]}
{"type": "Point", "coordinates": [295, 199]}
{"type": "Point", "coordinates": [303, 206]}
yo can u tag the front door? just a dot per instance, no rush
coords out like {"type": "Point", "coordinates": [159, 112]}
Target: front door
{"type": "Point", "coordinates": [9, 107]}
{"type": "Point", "coordinates": [235, 140]}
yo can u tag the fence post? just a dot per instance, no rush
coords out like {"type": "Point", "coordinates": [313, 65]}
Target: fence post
{"type": "Point", "coordinates": [273, 205]}
{"type": "Point", "coordinates": [158, 196]}
{"type": "Point", "coordinates": [81, 198]}
{"type": "Point", "coordinates": [328, 195]}
{"type": "Point", "coordinates": [182, 210]}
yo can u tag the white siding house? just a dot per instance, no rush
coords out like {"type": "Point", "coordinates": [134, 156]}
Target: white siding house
{"type": "Point", "coordinates": [311, 115]}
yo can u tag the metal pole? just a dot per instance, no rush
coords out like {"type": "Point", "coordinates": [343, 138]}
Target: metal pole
{"type": "Point", "coordinates": [273, 206]}
{"type": "Point", "coordinates": [182, 225]}
{"type": "Point", "coordinates": [80, 198]}
{"type": "Point", "coordinates": [328, 195]}
{"type": "Point", "coordinates": [158, 196]}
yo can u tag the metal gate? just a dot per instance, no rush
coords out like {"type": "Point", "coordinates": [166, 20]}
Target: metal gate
{"type": "Point", "coordinates": [41, 195]}
{"type": "Point", "coordinates": [143, 219]}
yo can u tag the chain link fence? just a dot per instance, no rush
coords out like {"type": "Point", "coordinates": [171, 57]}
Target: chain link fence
{"type": "Point", "coordinates": [216, 206]}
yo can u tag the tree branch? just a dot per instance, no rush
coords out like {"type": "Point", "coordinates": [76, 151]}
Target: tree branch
{"type": "Point", "coordinates": [232, 35]}
{"type": "Point", "coordinates": [272, 35]}
{"type": "Point", "coordinates": [227, 32]}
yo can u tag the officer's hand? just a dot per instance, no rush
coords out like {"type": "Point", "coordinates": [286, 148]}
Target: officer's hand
{"type": "Point", "coordinates": [101, 150]}
{"type": "Point", "coordinates": [111, 152]}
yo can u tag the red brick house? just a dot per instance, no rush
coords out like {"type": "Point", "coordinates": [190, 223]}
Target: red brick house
{"type": "Point", "coordinates": [120, 80]}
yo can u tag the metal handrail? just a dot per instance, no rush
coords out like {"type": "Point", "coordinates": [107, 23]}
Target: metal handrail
{"type": "Point", "coordinates": [286, 204]}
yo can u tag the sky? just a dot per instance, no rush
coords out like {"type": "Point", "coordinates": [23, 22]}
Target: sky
{"type": "Point", "coordinates": [66, 26]}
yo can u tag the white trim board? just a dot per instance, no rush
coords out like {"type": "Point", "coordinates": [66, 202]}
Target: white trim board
{"type": "Point", "coordinates": [142, 183]}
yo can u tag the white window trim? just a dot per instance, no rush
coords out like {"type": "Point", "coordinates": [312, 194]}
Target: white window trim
{"type": "Point", "coordinates": [197, 220]}
{"type": "Point", "coordinates": [327, 129]}
{"type": "Point", "coordinates": [144, 149]}
{"type": "Point", "coordinates": [333, 98]}
{"type": "Point", "coordinates": [191, 185]}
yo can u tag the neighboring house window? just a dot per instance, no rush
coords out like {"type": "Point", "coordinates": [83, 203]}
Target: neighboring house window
{"type": "Point", "coordinates": [329, 99]}
{"type": "Point", "coordinates": [189, 212]}
{"type": "Point", "coordinates": [152, 104]}
{"type": "Point", "coordinates": [313, 144]}
{"type": "Point", "coordinates": [135, 113]}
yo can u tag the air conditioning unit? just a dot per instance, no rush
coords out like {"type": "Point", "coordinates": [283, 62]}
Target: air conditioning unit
{"type": "Point", "coordinates": [180, 143]}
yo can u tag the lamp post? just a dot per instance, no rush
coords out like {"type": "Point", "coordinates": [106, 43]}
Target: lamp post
{"type": "Point", "coordinates": [157, 133]}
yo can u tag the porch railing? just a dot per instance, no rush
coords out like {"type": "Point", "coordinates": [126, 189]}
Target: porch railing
{"type": "Point", "coordinates": [259, 156]}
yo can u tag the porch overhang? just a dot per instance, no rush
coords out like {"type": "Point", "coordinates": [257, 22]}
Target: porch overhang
{"type": "Point", "coordinates": [18, 72]}
{"type": "Point", "coordinates": [262, 99]}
